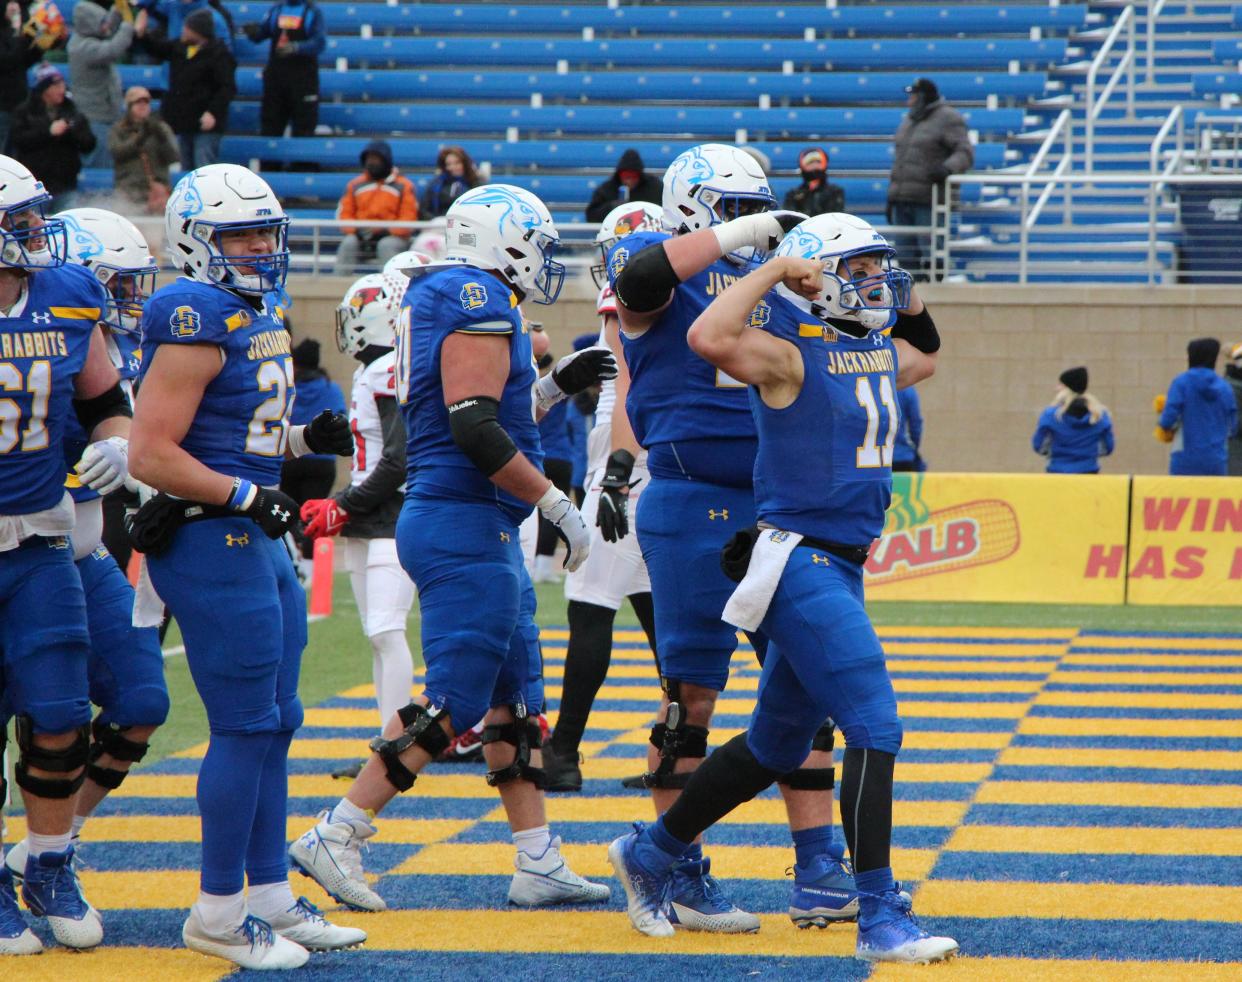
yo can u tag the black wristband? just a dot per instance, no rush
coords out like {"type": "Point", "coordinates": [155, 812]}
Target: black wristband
{"type": "Point", "coordinates": [618, 470]}
{"type": "Point", "coordinates": [919, 330]}
{"type": "Point", "coordinates": [92, 412]}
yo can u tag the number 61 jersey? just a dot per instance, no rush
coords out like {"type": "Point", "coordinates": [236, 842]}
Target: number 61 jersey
{"type": "Point", "coordinates": [43, 347]}
{"type": "Point", "coordinates": [241, 425]}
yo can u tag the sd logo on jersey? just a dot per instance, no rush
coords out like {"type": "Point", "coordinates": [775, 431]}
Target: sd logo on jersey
{"type": "Point", "coordinates": [760, 316]}
{"type": "Point", "coordinates": [619, 258]}
{"type": "Point", "coordinates": [184, 322]}
{"type": "Point", "coordinates": [472, 296]}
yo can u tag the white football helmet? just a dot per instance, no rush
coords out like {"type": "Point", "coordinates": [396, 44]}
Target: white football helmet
{"type": "Point", "coordinates": [36, 242]}
{"type": "Point", "coordinates": [633, 216]}
{"type": "Point", "coordinates": [407, 260]}
{"type": "Point", "coordinates": [506, 228]}
{"type": "Point", "coordinates": [112, 248]}
{"type": "Point", "coordinates": [869, 300]}
{"type": "Point", "coordinates": [368, 313]}
{"type": "Point", "coordinates": [219, 198]}
{"type": "Point", "coordinates": [714, 183]}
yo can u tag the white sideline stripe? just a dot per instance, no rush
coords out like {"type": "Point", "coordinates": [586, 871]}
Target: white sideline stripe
{"type": "Point", "coordinates": [180, 649]}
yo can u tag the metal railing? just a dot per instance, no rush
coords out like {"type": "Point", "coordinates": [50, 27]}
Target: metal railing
{"type": "Point", "coordinates": [1125, 67]}
{"type": "Point", "coordinates": [1153, 15]}
{"type": "Point", "coordinates": [1218, 143]}
{"type": "Point", "coordinates": [1062, 129]}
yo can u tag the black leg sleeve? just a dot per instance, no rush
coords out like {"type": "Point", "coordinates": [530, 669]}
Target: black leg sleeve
{"type": "Point", "coordinates": [586, 666]}
{"type": "Point", "coordinates": [867, 806]}
{"type": "Point", "coordinates": [644, 610]}
{"type": "Point", "coordinates": [728, 777]}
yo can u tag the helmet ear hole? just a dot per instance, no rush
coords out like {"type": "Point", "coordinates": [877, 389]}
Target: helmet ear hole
{"type": "Point", "coordinates": [515, 253]}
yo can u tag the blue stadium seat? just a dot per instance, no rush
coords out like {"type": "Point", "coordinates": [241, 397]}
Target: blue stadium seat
{"type": "Point", "coordinates": [702, 122]}
{"type": "Point", "coordinates": [566, 154]}
{"type": "Point", "coordinates": [842, 88]}
{"type": "Point", "coordinates": [757, 19]}
{"type": "Point", "coordinates": [1212, 85]}
{"type": "Point", "coordinates": [851, 54]}
{"type": "Point", "coordinates": [1230, 50]}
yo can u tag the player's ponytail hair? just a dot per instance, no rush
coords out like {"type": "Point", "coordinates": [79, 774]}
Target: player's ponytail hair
{"type": "Point", "coordinates": [1065, 397]}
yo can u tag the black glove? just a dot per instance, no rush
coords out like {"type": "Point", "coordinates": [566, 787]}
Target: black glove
{"type": "Point", "coordinates": [735, 556]}
{"type": "Point", "coordinates": [585, 368]}
{"type": "Point", "coordinates": [151, 527]}
{"type": "Point", "coordinates": [329, 433]}
{"type": "Point", "coordinates": [252, 31]}
{"type": "Point", "coordinates": [612, 514]}
{"type": "Point", "coordinates": [940, 174]}
{"type": "Point", "coordinates": [273, 511]}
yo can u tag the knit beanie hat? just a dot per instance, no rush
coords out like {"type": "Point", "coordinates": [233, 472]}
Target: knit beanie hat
{"type": "Point", "coordinates": [1075, 379]}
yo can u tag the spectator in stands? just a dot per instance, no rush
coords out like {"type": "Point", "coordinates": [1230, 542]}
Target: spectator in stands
{"type": "Point", "coordinates": [50, 137]}
{"type": "Point", "coordinates": [382, 194]}
{"type": "Point", "coordinates": [312, 475]}
{"type": "Point", "coordinates": [143, 148]}
{"type": "Point", "coordinates": [173, 14]}
{"type": "Point", "coordinates": [1200, 412]}
{"type": "Point", "coordinates": [18, 51]}
{"type": "Point", "coordinates": [816, 195]}
{"type": "Point", "coordinates": [1076, 430]}
{"type": "Point", "coordinates": [931, 143]}
{"type": "Point", "coordinates": [291, 75]}
{"type": "Point", "coordinates": [100, 39]}
{"type": "Point", "coordinates": [200, 86]}
{"type": "Point", "coordinates": [906, 456]}
{"type": "Point", "coordinates": [455, 175]}
{"type": "Point", "coordinates": [630, 182]}
{"type": "Point", "coordinates": [1233, 375]}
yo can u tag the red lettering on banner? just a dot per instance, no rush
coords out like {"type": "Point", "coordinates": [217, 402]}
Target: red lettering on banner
{"type": "Point", "coordinates": [1189, 561]}
{"type": "Point", "coordinates": [1150, 563]}
{"type": "Point", "coordinates": [1228, 516]}
{"type": "Point", "coordinates": [1202, 507]}
{"type": "Point", "coordinates": [1105, 561]}
{"type": "Point", "coordinates": [961, 538]}
{"type": "Point", "coordinates": [1163, 514]}
{"type": "Point", "coordinates": [1235, 571]}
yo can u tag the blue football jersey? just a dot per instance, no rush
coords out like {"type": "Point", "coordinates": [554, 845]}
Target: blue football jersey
{"type": "Point", "coordinates": [824, 466]}
{"type": "Point", "coordinates": [241, 426]}
{"type": "Point", "coordinates": [460, 299]}
{"type": "Point", "coordinates": [674, 394]}
{"type": "Point", "coordinates": [42, 350]}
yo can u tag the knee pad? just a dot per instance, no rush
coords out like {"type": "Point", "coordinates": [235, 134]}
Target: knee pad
{"type": "Point", "coordinates": [422, 727]}
{"type": "Point", "coordinates": [524, 735]}
{"type": "Point", "coordinates": [146, 705]}
{"type": "Point", "coordinates": [814, 778]}
{"type": "Point", "coordinates": [675, 739]}
{"type": "Point", "coordinates": [110, 739]}
{"type": "Point", "coordinates": [291, 714]}
{"type": "Point", "coordinates": [65, 761]}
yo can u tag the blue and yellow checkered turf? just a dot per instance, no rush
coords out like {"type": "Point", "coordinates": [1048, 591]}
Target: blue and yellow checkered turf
{"type": "Point", "coordinates": [1062, 797]}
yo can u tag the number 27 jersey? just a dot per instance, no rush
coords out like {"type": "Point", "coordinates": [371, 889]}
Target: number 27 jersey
{"type": "Point", "coordinates": [241, 425]}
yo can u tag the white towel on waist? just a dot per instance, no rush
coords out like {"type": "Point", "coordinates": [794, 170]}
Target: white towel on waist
{"type": "Point", "coordinates": [749, 603]}
{"type": "Point", "coordinates": [148, 607]}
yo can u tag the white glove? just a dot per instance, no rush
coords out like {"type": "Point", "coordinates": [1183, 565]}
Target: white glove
{"type": "Point", "coordinates": [104, 466]}
{"type": "Point", "coordinates": [762, 232]}
{"type": "Point", "coordinates": [560, 511]}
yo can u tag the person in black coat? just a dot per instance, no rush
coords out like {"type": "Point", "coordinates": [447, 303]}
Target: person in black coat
{"type": "Point", "coordinates": [50, 136]}
{"type": "Point", "coordinates": [200, 86]}
{"type": "Point", "coordinates": [629, 182]}
{"type": "Point", "coordinates": [18, 51]}
{"type": "Point", "coordinates": [816, 195]}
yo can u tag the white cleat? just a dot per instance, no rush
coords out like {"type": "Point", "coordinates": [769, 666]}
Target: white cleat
{"type": "Point", "coordinates": [252, 944]}
{"type": "Point", "coordinates": [304, 924]}
{"type": "Point", "coordinates": [549, 880]}
{"type": "Point", "coordinates": [331, 855]}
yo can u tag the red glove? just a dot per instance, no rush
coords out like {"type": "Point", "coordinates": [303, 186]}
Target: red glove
{"type": "Point", "coordinates": [323, 516]}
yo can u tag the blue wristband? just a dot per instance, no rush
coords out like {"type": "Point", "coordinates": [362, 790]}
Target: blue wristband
{"type": "Point", "coordinates": [243, 494]}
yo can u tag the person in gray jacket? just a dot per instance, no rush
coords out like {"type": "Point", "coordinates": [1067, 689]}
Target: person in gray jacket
{"type": "Point", "coordinates": [931, 143]}
{"type": "Point", "coordinates": [100, 39]}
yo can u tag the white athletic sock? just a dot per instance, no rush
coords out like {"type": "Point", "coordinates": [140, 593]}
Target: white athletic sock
{"type": "Point", "coordinates": [38, 844]}
{"type": "Point", "coordinates": [269, 900]}
{"type": "Point", "coordinates": [75, 830]}
{"type": "Point", "coordinates": [533, 842]}
{"type": "Point", "coordinates": [392, 668]}
{"type": "Point", "coordinates": [347, 811]}
{"type": "Point", "coordinates": [221, 914]}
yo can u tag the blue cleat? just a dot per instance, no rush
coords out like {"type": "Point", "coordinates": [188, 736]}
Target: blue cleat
{"type": "Point", "coordinates": [698, 904]}
{"type": "Point", "coordinates": [824, 890]}
{"type": "Point", "coordinates": [647, 879]}
{"type": "Point", "coordinates": [889, 932]}
{"type": "Point", "coordinates": [51, 889]}
{"type": "Point", "coordinates": [15, 937]}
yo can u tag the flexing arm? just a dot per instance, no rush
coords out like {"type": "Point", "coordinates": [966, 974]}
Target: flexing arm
{"type": "Point", "coordinates": [722, 336]}
{"type": "Point", "coordinates": [167, 401]}
{"type": "Point", "coordinates": [916, 341]}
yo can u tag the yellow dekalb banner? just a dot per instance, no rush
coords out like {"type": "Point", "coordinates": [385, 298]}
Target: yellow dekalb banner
{"type": "Point", "coordinates": [1185, 546]}
{"type": "Point", "coordinates": [1027, 538]}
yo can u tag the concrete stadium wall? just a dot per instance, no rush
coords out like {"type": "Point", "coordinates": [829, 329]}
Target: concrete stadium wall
{"type": "Point", "coordinates": [1004, 347]}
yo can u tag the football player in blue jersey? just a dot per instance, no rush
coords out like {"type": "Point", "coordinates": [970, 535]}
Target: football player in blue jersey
{"type": "Point", "coordinates": [53, 364]}
{"type": "Point", "coordinates": [126, 669]}
{"type": "Point", "coordinates": [210, 430]}
{"type": "Point", "coordinates": [823, 371]}
{"type": "Point", "coordinates": [695, 422]}
{"type": "Point", "coordinates": [465, 380]}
